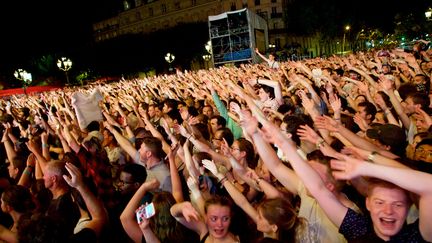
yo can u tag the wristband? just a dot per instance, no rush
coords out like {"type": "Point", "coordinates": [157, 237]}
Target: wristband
{"type": "Point", "coordinates": [221, 181]}
{"type": "Point", "coordinates": [44, 145]}
{"type": "Point", "coordinates": [26, 172]}
{"type": "Point", "coordinates": [371, 156]}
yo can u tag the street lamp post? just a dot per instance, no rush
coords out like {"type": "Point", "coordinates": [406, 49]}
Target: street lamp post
{"type": "Point", "coordinates": [25, 77]}
{"type": "Point", "coordinates": [65, 64]}
{"type": "Point", "coordinates": [347, 28]}
{"type": "Point", "coordinates": [209, 49]}
{"type": "Point", "coordinates": [169, 58]}
{"type": "Point", "coordinates": [206, 58]}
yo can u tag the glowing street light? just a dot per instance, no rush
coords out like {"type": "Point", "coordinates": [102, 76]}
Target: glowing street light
{"type": "Point", "coordinates": [208, 47]}
{"type": "Point", "coordinates": [347, 28]}
{"type": "Point", "coordinates": [25, 77]}
{"type": "Point", "coordinates": [272, 46]}
{"type": "Point", "coordinates": [428, 14]}
{"type": "Point", "coordinates": [64, 64]}
{"type": "Point", "coordinates": [206, 58]}
{"type": "Point", "coordinates": [169, 58]}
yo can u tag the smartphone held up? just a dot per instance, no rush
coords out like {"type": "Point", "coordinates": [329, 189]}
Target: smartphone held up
{"type": "Point", "coordinates": [146, 212]}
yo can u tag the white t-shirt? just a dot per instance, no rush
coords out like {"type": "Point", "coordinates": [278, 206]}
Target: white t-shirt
{"type": "Point", "coordinates": [87, 107]}
{"type": "Point", "coordinates": [322, 228]}
{"type": "Point", "coordinates": [273, 64]}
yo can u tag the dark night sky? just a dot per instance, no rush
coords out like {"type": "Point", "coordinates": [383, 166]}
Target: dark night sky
{"type": "Point", "coordinates": [34, 27]}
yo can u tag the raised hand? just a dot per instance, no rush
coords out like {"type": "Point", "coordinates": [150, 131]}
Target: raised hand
{"type": "Point", "coordinates": [189, 212]}
{"type": "Point", "coordinates": [75, 180]}
{"type": "Point", "coordinates": [182, 130]}
{"type": "Point", "coordinates": [249, 123]}
{"type": "Point", "coordinates": [363, 87]}
{"type": "Point", "coordinates": [211, 166]}
{"type": "Point", "coordinates": [423, 117]}
{"type": "Point", "coordinates": [335, 102]}
{"type": "Point", "coordinates": [225, 148]}
{"type": "Point", "coordinates": [385, 84]}
{"type": "Point", "coordinates": [31, 160]}
{"type": "Point", "coordinates": [143, 222]}
{"type": "Point", "coordinates": [327, 123]}
{"type": "Point", "coordinates": [346, 168]}
{"type": "Point", "coordinates": [306, 133]}
{"type": "Point", "coordinates": [361, 122]}
{"type": "Point", "coordinates": [151, 185]}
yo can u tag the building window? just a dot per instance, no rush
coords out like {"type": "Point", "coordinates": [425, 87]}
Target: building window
{"type": "Point", "coordinates": [164, 9]}
{"type": "Point", "coordinates": [193, 2]}
{"type": "Point", "coordinates": [233, 6]}
{"type": "Point", "coordinates": [150, 12]}
{"type": "Point", "coordinates": [257, 2]}
{"type": "Point", "coordinates": [274, 10]}
{"type": "Point", "coordinates": [263, 14]}
{"type": "Point", "coordinates": [274, 1]}
{"type": "Point", "coordinates": [138, 15]}
{"type": "Point", "coordinates": [177, 5]}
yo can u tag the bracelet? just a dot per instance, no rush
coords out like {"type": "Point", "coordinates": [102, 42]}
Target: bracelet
{"type": "Point", "coordinates": [258, 180]}
{"type": "Point", "coordinates": [221, 181]}
{"type": "Point", "coordinates": [189, 137]}
{"type": "Point", "coordinates": [30, 166]}
{"type": "Point", "coordinates": [371, 156]}
{"type": "Point", "coordinates": [26, 172]}
{"type": "Point", "coordinates": [44, 145]}
{"type": "Point", "coordinates": [319, 143]}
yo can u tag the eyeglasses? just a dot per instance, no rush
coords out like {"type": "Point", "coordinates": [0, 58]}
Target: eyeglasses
{"type": "Point", "coordinates": [423, 151]}
{"type": "Point", "coordinates": [122, 182]}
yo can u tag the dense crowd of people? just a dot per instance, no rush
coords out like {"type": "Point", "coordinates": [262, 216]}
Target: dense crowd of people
{"type": "Point", "coordinates": [318, 150]}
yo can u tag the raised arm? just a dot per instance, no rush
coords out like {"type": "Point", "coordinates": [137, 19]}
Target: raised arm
{"type": "Point", "coordinates": [9, 147]}
{"type": "Point", "coordinates": [99, 216]}
{"type": "Point", "coordinates": [128, 218]}
{"type": "Point", "coordinates": [261, 55]}
{"type": "Point", "coordinates": [333, 208]}
{"type": "Point", "coordinates": [177, 190]}
{"type": "Point", "coordinates": [124, 143]}
{"type": "Point", "coordinates": [408, 179]}
{"type": "Point", "coordinates": [235, 194]}
{"type": "Point", "coordinates": [285, 175]}
{"type": "Point", "coordinates": [188, 216]}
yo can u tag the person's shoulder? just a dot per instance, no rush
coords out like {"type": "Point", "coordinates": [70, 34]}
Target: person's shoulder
{"type": "Point", "coordinates": [409, 233]}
